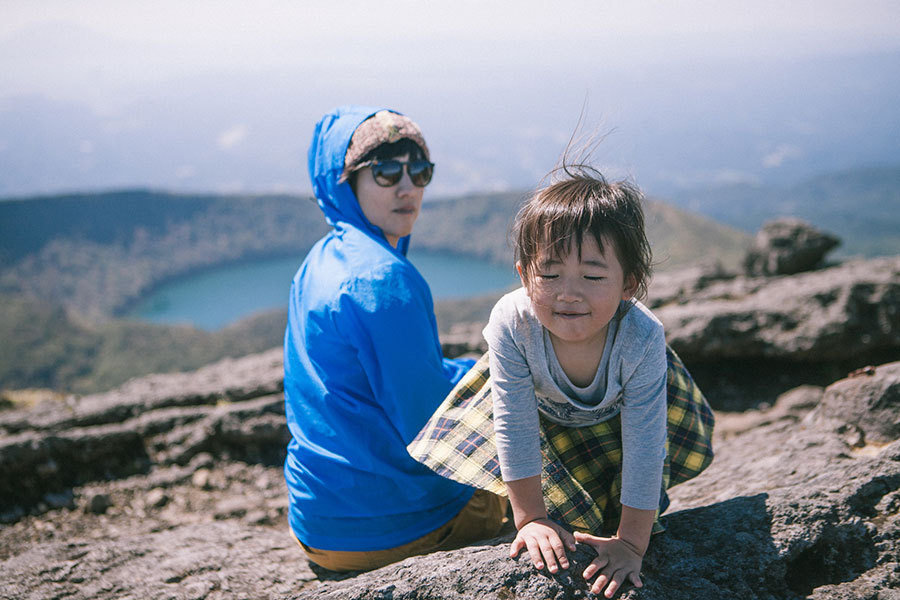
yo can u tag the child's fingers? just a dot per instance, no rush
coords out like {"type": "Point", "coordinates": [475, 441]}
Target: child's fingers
{"type": "Point", "coordinates": [568, 540]}
{"type": "Point", "coordinates": [599, 583]}
{"type": "Point", "coordinates": [516, 547]}
{"type": "Point", "coordinates": [534, 550]}
{"type": "Point", "coordinates": [559, 553]}
{"type": "Point", "coordinates": [615, 582]}
{"type": "Point", "coordinates": [549, 553]}
{"type": "Point", "coordinates": [595, 566]}
{"type": "Point", "coordinates": [636, 579]}
{"type": "Point", "coordinates": [586, 538]}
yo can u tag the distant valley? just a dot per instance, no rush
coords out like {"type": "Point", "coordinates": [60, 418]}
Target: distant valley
{"type": "Point", "coordinates": [70, 264]}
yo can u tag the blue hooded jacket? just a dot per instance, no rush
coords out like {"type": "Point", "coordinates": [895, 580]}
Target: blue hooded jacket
{"type": "Point", "coordinates": [363, 371]}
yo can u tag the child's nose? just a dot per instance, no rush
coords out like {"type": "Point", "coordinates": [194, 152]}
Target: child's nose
{"type": "Point", "coordinates": [568, 292]}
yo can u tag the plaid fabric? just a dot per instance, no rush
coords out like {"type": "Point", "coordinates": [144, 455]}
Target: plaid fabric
{"type": "Point", "coordinates": [582, 472]}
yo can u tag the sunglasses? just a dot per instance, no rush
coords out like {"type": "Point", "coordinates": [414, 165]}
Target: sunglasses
{"type": "Point", "coordinates": [389, 172]}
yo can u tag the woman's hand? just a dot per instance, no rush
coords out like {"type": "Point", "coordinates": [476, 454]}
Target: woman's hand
{"type": "Point", "coordinates": [617, 560]}
{"type": "Point", "coordinates": [546, 542]}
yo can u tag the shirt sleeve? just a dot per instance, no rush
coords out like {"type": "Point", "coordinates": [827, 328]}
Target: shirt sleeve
{"type": "Point", "coordinates": [516, 421]}
{"type": "Point", "coordinates": [644, 426]}
{"type": "Point", "coordinates": [392, 325]}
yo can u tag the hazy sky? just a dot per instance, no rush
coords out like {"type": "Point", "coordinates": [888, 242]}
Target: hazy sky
{"type": "Point", "coordinates": [111, 56]}
{"type": "Point", "coordinates": [65, 47]}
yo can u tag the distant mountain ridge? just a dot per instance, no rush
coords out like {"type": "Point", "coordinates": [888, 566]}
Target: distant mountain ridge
{"type": "Point", "coordinates": [861, 206]}
{"type": "Point", "coordinates": [479, 225]}
{"type": "Point", "coordinates": [100, 253]}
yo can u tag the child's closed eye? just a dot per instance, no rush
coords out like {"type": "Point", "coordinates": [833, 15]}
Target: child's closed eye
{"type": "Point", "coordinates": [547, 276]}
{"type": "Point", "coordinates": [594, 277]}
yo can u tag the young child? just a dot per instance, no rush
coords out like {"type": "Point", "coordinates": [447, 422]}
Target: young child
{"type": "Point", "coordinates": [584, 389]}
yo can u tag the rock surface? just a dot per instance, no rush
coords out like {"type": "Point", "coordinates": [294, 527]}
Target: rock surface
{"type": "Point", "coordinates": [792, 507]}
{"type": "Point", "coordinates": [171, 486]}
{"type": "Point", "coordinates": [748, 339]}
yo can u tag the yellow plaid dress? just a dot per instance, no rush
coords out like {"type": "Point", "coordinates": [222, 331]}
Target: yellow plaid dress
{"type": "Point", "coordinates": [582, 466]}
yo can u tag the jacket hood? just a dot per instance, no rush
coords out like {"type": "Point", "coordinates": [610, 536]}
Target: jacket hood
{"type": "Point", "coordinates": [326, 164]}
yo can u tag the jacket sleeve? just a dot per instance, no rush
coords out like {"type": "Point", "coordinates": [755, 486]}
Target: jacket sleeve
{"type": "Point", "coordinates": [391, 324]}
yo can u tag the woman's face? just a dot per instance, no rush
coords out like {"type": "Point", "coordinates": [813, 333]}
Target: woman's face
{"type": "Point", "coordinates": [393, 209]}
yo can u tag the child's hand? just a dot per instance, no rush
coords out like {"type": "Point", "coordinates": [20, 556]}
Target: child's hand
{"type": "Point", "coordinates": [546, 542]}
{"type": "Point", "coordinates": [616, 561]}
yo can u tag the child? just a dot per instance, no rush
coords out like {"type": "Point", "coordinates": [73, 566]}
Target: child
{"type": "Point", "coordinates": [584, 389]}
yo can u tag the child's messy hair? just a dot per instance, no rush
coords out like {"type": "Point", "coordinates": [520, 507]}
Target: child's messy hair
{"type": "Point", "coordinates": [582, 202]}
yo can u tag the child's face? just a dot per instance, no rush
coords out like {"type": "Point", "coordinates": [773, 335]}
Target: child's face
{"type": "Point", "coordinates": [575, 298]}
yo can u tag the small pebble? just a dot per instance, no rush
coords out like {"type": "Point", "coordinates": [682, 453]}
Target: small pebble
{"type": "Point", "coordinates": [257, 517]}
{"type": "Point", "coordinates": [98, 504]}
{"type": "Point", "coordinates": [156, 498]}
{"type": "Point", "coordinates": [200, 479]}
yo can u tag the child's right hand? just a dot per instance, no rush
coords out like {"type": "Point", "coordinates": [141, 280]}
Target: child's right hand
{"type": "Point", "coordinates": [546, 542]}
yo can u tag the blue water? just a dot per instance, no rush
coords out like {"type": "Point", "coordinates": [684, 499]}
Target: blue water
{"type": "Point", "coordinates": [215, 298]}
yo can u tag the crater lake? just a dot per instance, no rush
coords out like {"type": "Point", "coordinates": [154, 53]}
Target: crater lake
{"type": "Point", "coordinates": [212, 299]}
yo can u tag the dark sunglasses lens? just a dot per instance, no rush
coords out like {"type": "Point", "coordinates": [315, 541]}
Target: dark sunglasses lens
{"type": "Point", "coordinates": [420, 172]}
{"type": "Point", "coordinates": [387, 173]}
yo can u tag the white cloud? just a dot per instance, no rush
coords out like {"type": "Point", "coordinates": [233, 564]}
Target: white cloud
{"type": "Point", "coordinates": [781, 154]}
{"type": "Point", "coordinates": [232, 137]}
{"type": "Point", "coordinates": [185, 172]}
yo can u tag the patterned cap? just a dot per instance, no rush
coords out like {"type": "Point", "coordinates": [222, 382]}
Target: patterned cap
{"type": "Point", "coordinates": [384, 127]}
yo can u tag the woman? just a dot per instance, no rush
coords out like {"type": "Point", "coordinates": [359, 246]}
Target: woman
{"type": "Point", "coordinates": [363, 363]}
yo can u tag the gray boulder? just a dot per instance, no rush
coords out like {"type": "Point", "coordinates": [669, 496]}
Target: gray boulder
{"type": "Point", "coordinates": [864, 407]}
{"type": "Point", "coordinates": [847, 311]}
{"type": "Point", "coordinates": [748, 339]}
{"type": "Point", "coordinates": [232, 409]}
{"type": "Point", "coordinates": [787, 246]}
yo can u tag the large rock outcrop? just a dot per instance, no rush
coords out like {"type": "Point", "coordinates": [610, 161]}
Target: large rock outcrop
{"type": "Point", "coordinates": [748, 339]}
{"type": "Point", "coordinates": [802, 500]}
{"type": "Point", "coordinates": [232, 409]}
{"type": "Point", "coordinates": [847, 311]}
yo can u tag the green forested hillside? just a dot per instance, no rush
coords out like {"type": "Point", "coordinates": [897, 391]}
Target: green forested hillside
{"type": "Point", "coordinates": [479, 225]}
{"type": "Point", "coordinates": [46, 346]}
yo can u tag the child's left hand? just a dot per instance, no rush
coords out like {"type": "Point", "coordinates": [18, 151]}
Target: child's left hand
{"type": "Point", "coordinates": [616, 561]}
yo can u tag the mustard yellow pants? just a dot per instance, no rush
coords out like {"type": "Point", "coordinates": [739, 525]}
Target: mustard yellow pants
{"type": "Point", "coordinates": [480, 519]}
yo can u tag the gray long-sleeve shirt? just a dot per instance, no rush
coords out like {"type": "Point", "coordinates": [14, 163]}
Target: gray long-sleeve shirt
{"type": "Point", "coordinates": [631, 380]}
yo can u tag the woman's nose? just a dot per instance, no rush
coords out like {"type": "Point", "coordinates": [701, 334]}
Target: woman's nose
{"type": "Point", "coordinates": [405, 185]}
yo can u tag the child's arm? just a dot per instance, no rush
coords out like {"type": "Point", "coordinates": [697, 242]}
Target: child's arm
{"type": "Point", "coordinates": [644, 432]}
{"type": "Point", "coordinates": [545, 541]}
{"type": "Point", "coordinates": [620, 557]}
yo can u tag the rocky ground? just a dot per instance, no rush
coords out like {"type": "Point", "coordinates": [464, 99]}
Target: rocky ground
{"type": "Point", "coordinates": [170, 486]}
